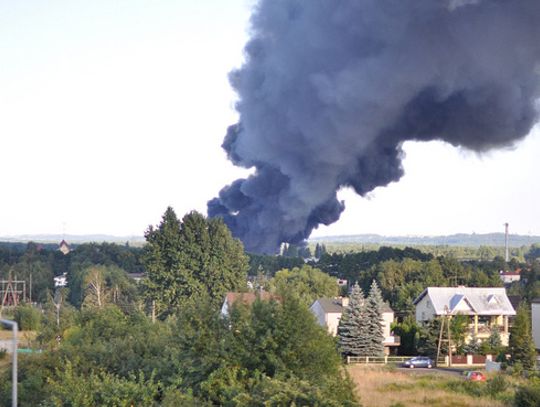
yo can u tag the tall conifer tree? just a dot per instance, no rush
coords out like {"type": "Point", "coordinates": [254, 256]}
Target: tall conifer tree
{"type": "Point", "coordinates": [187, 259]}
{"type": "Point", "coordinates": [373, 321]}
{"type": "Point", "coordinates": [521, 342]}
{"type": "Point", "coordinates": [351, 329]}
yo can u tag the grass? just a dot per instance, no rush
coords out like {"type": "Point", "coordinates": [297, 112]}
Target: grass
{"type": "Point", "coordinates": [381, 387]}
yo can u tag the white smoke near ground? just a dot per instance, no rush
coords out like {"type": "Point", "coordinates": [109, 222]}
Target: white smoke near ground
{"type": "Point", "coordinates": [331, 89]}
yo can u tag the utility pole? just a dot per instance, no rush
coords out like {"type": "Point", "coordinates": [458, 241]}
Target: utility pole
{"type": "Point", "coordinates": [445, 319]}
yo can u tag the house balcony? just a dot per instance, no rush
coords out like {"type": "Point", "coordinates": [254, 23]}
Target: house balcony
{"type": "Point", "coordinates": [483, 332]}
{"type": "Point", "coordinates": [392, 341]}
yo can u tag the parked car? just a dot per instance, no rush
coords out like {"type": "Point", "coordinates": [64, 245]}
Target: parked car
{"type": "Point", "coordinates": [419, 361]}
{"type": "Point", "coordinates": [475, 376]}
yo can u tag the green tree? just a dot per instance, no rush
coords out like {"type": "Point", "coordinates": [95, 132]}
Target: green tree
{"type": "Point", "coordinates": [28, 318]}
{"type": "Point", "coordinates": [494, 341]}
{"type": "Point", "coordinates": [428, 338]}
{"type": "Point", "coordinates": [228, 361]}
{"type": "Point", "coordinates": [185, 260]}
{"type": "Point", "coordinates": [521, 344]}
{"type": "Point", "coordinates": [408, 331]}
{"type": "Point", "coordinates": [95, 289]}
{"type": "Point", "coordinates": [352, 335]}
{"type": "Point", "coordinates": [306, 282]}
{"type": "Point", "coordinates": [162, 263]}
{"type": "Point", "coordinates": [459, 328]}
{"type": "Point", "coordinates": [373, 321]}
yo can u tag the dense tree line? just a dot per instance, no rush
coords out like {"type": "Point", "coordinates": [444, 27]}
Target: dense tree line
{"type": "Point", "coordinates": [464, 253]}
{"type": "Point", "coordinates": [101, 346]}
{"type": "Point", "coordinates": [38, 264]}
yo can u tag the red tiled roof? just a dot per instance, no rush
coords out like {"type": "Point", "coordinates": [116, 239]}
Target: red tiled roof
{"type": "Point", "coordinates": [249, 297]}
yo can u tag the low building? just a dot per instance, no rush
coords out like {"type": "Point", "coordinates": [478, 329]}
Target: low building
{"type": "Point", "coordinates": [509, 277]}
{"type": "Point", "coordinates": [328, 312]}
{"type": "Point", "coordinates": [137, 277]}
{"type": "Point", "coordinates": [64, 247]}
{"type": "Point", "coordinates": [247, 298]}
{"type": "Point", "coordinates": [488, 308]}
{"type": "Point", "coordinates": [60, 281]}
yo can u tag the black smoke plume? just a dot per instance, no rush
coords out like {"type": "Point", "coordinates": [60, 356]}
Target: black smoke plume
{"type": "Point", "coordinates": [331, 89]}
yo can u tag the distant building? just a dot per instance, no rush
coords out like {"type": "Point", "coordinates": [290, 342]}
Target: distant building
{"type": "Point", "coordinates": [137, 277]}
{"type": "Point", "coordinates": [342, 282]}
{"type": "Point", "coordinates": [64, 247]}
{"type": "Point", "coordinates": [60, 281]}
{"type": "Point", "coordinates": [245, 298]}
{"type": "Point", "coordinates": [508, 277]}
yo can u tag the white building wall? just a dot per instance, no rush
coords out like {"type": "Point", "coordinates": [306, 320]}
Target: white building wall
{"type": "Point", "coordinates": [535, 313]}
{"type": "Point", "coordinates": [317, 310]}
{"type": "Point", "coordinates": [424, 310]}
{"type": "Point", "coordinates": [462, 307]}
{"type": "Point", "coordinates": [225, 309]}
{"type": "Point", "coordinates": [332, 322]}
{"type": "Point", "coordinates": [388, 318]}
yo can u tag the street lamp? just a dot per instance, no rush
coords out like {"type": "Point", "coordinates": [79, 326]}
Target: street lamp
{"type": "Point", "coordinates": [15, 329]}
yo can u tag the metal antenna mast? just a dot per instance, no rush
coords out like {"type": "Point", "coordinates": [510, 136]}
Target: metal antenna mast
{"type": "Point", "coordinates": [506, 257]}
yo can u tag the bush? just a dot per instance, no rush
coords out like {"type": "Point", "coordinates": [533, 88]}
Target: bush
{"type": "Point", "coordinates": [517, 369]}
{"type": "Point", "coordinates": [475, 389]}
{"type": "Point", "coordinates": [496, 385]}
{"type": "Point", "coordinates": [528, 396]}
{"type": "Point", "coordinates": [27, 317]}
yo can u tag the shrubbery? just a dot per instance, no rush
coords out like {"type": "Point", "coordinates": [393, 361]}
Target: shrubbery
{"type": "Point", "coordinates": [269, 353]}
{"type": "Point", "coordinates": [528, 395]}
{"type": "Point", "coordinates": [27, 317]}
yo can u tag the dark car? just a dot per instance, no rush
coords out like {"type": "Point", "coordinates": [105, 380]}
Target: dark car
{"type": "Point", "coordinates": [419, 361]}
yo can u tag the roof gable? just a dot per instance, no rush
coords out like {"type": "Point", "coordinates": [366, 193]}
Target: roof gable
{"type": "Point", "coordinates": [460, 303]}
{"type": "Point", "coordinates": [335, 305]}
{"type": "Point", "coordinates": [468, 300]}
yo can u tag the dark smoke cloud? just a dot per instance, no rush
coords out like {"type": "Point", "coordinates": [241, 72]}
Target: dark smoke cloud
{"type": "Point", "coordinates": [331, 89]}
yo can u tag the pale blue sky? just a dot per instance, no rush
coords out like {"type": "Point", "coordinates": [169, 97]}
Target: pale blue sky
{"type": "Point", "coordinates": [112, 110]}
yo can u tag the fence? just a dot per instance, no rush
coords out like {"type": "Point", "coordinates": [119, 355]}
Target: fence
{"type": "Point", "coordinates": [377, 360]}
{"type": "Point", "coordinates": [466, 360]}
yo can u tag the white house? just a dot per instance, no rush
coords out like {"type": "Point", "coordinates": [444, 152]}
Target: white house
{"type": "Point", "coordinates": [60, 281]}
{"type": "Point", "coordinates": [508, 277]}
{"type": "Point", "coordinates": [487, 307]}
{"type": "Point", "coordinates": [535, 314]}
{"type": "Point", "coordinates": [328, 312]}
